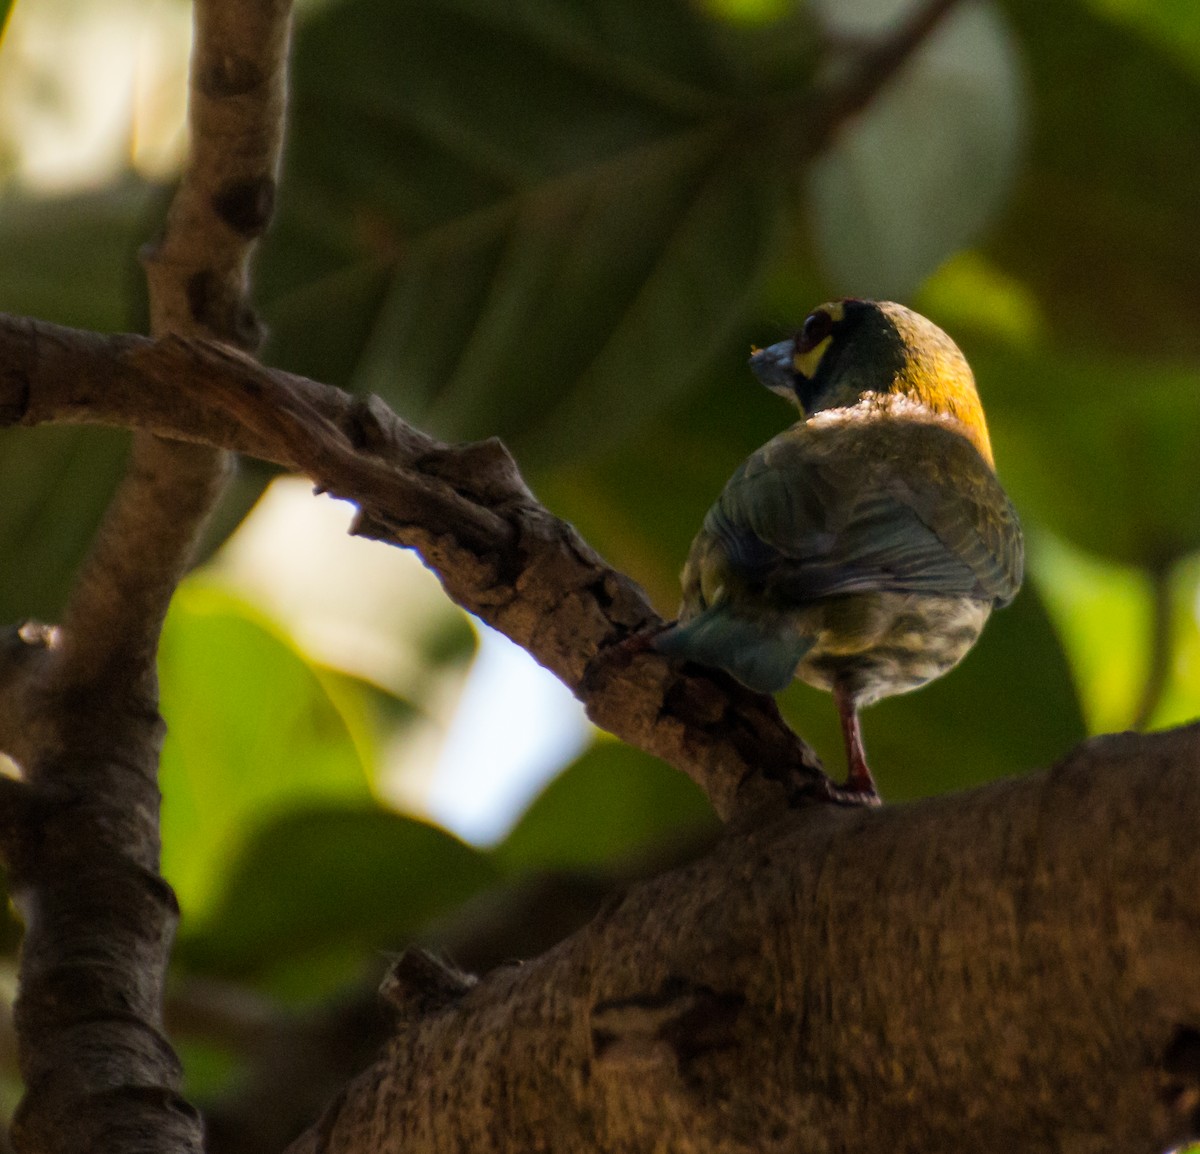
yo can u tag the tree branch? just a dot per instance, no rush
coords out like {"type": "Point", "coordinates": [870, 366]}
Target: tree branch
{"type": "Point", "coordinates": [84, 724]}
{"type": "Point", "coordinates": [1057, 1005]}
{"type": "Point", "coordinates": [786, 1019]}
{"type": "Point", "coordinates": [499, 553]}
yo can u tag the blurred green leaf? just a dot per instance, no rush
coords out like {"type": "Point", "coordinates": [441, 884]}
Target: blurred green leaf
{"type": "Point", "coordinates": [969, 295]}
{"type": "Point", "coordinates": [210, 1069]}
{"type": "Point", "coordinates": [1180, 702]}
{"type": "Point", "coordinates": [1103, 613]}
{"type": "Point", "coordinates": [1112, 184]}
{"type": "Point", "coordinates": [1100, 450]}
{"type": "Point", "coordinates": [563, 199]}
{"type": "Point", "coordinates": [1173, 24]}
{"type": "Point", "coordinates": [612, 801]}
{"type": "Point", "coordinates": [56, 484]}
{"type": "Point", "coordinates": [332, 883]}
{"type": "Point", "coordinates": [252, 732]}
{"type": "Point", "coordinates": [926, 165]}
{"type": "Point", "coordinates": [73, 259]}
{"type": "Point", "coordinates": [1009, 707]}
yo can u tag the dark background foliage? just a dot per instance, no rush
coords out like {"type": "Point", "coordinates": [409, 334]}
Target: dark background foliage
{"type": "Point", "coordinates": [564, 223]}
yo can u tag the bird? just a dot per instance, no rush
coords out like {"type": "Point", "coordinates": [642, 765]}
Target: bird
{"type": "Point", "coordinates": [863, 549]}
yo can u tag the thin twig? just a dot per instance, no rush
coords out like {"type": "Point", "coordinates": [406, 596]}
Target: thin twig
{"type": "Point", "coordinates": [872, 69]}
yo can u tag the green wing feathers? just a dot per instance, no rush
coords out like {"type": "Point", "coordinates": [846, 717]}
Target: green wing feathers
{"type": "Point", "coordinates": [913, 509]}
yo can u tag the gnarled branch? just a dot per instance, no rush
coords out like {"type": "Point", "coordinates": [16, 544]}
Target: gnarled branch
{"type": "Point", "coordinates": [465, 509]}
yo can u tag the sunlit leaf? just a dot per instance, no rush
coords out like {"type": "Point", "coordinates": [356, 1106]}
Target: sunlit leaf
{"type": "Point", "coordinates": [1103, 614]}
{"type": "Point", "coordinates": [971, 294]}
{"type": "Point", "coordinates": [1173, 24]}
{"type": "Point", "coordinates": [252, 733]}
{"type": "Point", "coordinates": [1180, 702]}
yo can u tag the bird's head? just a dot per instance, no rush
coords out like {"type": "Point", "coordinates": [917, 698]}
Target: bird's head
{"type": "Point", "coordinates": [848, 350]}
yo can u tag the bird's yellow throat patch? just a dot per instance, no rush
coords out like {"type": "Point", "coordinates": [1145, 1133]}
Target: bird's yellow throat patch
{"type": "Point", "coordinates": [806, 363]}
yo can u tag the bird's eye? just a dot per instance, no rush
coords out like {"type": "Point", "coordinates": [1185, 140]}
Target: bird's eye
{"type": "Point", "coordinates": [817, 326]}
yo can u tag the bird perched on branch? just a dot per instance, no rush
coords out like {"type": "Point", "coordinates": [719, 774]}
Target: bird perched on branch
{"type": "Point", "coordinates": [863, 549]}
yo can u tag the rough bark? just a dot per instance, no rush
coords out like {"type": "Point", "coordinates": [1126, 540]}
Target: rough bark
{"type": "Point", "coordinates": [1010, 969]}
{"type": "Point", "coordinates": [80, 711]}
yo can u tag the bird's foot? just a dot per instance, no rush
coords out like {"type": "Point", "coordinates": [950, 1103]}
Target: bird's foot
{"type": "Point", "coordinates": [824, 791]}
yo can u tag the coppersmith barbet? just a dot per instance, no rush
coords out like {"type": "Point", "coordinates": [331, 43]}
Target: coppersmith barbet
{"type": "Point", "coordinates": [863, 549]}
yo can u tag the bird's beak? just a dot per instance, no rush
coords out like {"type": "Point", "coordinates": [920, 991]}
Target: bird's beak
{"type": "Point", "coordinates": [773, 367]}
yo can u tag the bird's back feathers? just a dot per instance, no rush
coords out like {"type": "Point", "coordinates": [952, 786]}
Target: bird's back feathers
{"type": "Point", "coordinates": [885, 501]}
{"type": "Point", "coordinates": [885, 498]}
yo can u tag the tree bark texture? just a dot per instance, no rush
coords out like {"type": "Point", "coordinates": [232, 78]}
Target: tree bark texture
{"type": "Point", "coordinates": [1010, 969]}
{"type": "Point", "coordinates": [80, 712]}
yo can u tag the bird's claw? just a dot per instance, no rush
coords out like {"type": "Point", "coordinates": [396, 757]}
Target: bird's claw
{"type": "Point", "coordinates": [827, 791]}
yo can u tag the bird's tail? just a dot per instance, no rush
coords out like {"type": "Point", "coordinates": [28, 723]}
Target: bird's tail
{"type": "Point", "coordinates": [761, 653]}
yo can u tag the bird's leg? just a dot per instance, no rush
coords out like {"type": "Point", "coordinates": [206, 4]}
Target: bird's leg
{"type": "Point", "coordinates": [859, 779]}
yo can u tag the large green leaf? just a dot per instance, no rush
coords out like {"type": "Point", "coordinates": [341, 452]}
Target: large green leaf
{"type": "Point", "coordinates": [525, 212]}
{"type": "Point", "coordinates": [1099, 224]}
{"type": "Point", "coordinates": [612, 801]}
{"type": "Point", "coordinates": [317, 890]}
{"type": "Point", "coordinates": [252, 733]}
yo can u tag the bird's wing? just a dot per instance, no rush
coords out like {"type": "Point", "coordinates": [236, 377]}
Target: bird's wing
{"type": "Point", "coordinates": [910, 509]}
